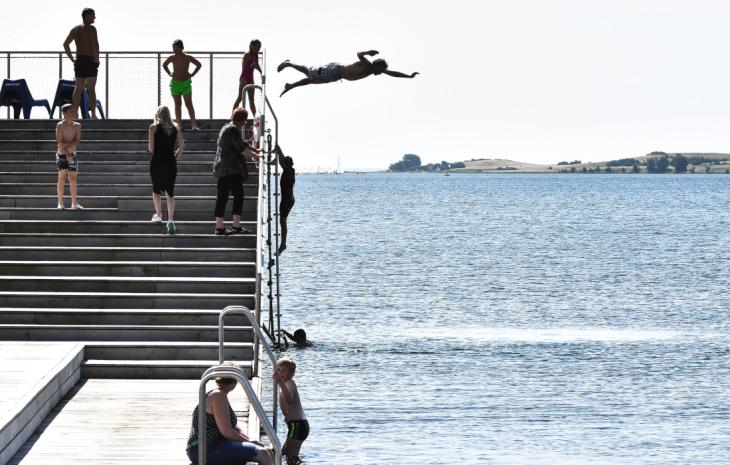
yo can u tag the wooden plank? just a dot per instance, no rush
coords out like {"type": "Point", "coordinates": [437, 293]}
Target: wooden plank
{"type": "Point", "coordinates": [116, 421]}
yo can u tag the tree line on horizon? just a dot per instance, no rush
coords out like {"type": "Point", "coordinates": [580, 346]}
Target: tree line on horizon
{"type": "Point", "coordinates": [412, 162]}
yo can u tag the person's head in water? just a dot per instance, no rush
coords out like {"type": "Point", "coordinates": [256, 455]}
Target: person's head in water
{"type": "Point", "coordinates": [254, 46]}
{"type": "Point", "coordinates": [300, 336]}
{"type": "Point", "coordinates": [379, 66]}
{"type": "Point", "coordinates": [239, 117]}
{"type": "Point", "coordinates": [177, 46]}
{"type": "Point", "coordinates": [68, 111]}
{"type": "Point", "coordinates": [88, 15]}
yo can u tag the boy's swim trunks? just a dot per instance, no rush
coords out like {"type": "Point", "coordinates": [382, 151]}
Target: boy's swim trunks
{"type": "Point", "coordinates": [181, 87]}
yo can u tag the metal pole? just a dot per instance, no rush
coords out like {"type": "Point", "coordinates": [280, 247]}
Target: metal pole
{"type": "Point", "coordinates": [159, 79]}
{"type": "Point", "coordinates": [106, 89]}
{"type": "Point", "coordinates": [277, 199]}
{"type": "Point", "coordinates": [270, 264]}
{"type": "Point", "coordinates": [8, 57]}
{"type": "Point", "coordinates": [60, 66]}
{"type": "Point", "coordinates": [211, 86]}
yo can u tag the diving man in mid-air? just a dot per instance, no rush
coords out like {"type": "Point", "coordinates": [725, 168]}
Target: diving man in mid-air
{"type": "Point", "coordinates": [334, 71]}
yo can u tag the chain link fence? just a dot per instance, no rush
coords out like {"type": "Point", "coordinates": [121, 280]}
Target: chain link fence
{"type": "Point", "coordinates": [131, 84]}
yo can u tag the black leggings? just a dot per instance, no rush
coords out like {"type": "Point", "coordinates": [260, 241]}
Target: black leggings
{"type": "Point", "coordinates": [232, 184]}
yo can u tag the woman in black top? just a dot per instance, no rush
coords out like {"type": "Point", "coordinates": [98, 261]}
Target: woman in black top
{"type": "Point", "coordinates": [229, 167]}
{"type": "Point", "coordinates": [226, 443]}
{"type": "Point", "coordinates": [161, 140]}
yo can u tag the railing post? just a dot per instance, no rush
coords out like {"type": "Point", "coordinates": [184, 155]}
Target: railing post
{"type": "Point", "coordinates": [159, 79]}
{"type": "Point", "coordinates": [211, 86]}
{"type": "Point", "coordinates": [106, 88]}
{"type": "Point", "coordinates": [8, 56]}
{"type": "Point", "coordinates": [60, 65]}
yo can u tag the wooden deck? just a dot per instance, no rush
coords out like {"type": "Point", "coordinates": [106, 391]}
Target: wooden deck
{"type": "Point", "coordinates": [24, 368]}
{"type": "Point", "coordinates": [115, 421]}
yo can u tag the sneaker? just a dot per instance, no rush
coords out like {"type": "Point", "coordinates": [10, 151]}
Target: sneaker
{"type": "Point", "coordinates": [222, 232]}
{"type": "Point", "coordinates": [60, 206]}
{"type": "Point", "coordinates": [240, 230]}
{"type": "Point", "coordinates": [170, 227]}
{"type": "Point", "coordinates": [78, 206]}
{"type": "Point", "coordinates": [156, 218]}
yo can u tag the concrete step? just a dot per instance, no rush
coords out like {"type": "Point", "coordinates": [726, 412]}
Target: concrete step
{"type": "Point", "coordinates": [157, 300]}
{"type": "Point", "coordinates": [167, 351]}
{"type": "Point", "coordinates": [115, 316]}
{"type": "Point", "coordinates": [146, 269]}
{"type": "Point", "coordinates": [140, 124]}
{"type": "Point", "coordinates": [121, 333]}
{"type": "Point", "coordinates": [140, 203]}
{"type": "Point", "coordinates": [127, 254]}
{"type": "Point", "coordinates": [151, 369]}
{"type": "Point", "coordinates": [111, 166]}
{"type": "Point", "coordinates": [124, 284]}
{"type": "Point", "coordinates": [99, 156]}
{"type": "Point", "coordinates": [106, 227]}
{"type": "Point", "coordinates": [107, 133]}
{"type": "Point", "coordinates": [20, 239]}
{"type": "Point", "coordinates": [93, 188]}
{"type": "Point", "coordinates": [122, 145]}
{"type": "Point", "coordinates": [110, 214]}
{"type": "Point", "coordinates": [106, 178]}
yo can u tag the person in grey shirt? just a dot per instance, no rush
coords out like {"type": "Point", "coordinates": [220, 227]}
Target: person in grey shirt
{"type": "Point", "coordinates": [229, 167]}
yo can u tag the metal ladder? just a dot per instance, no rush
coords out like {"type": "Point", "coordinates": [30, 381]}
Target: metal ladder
{"type": "Point", "coordinates": [267, 213]}
{"type": "Point", "coordinates": [237, 373]}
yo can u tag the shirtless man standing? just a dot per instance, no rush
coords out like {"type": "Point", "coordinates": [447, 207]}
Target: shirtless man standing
{"type": "Point", "coordinates": [181, 82]}
{"type": "Point", "coordinates": [86, 64]}
{"type": "Point", "coordinates": [335, 71]}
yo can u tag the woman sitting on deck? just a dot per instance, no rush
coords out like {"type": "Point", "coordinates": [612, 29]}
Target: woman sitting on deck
{"type": "Point", "coordinates": [226, 442]}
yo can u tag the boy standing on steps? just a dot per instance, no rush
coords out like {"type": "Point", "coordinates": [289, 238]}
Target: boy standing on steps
{"type": "Point", "coordinates": [181, 82]}
{"type": "Point", "coordinates": [291, 407]}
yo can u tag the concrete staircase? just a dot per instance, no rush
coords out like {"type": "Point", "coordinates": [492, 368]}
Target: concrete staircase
{"type": "Point", "coordinates": [144, 303]}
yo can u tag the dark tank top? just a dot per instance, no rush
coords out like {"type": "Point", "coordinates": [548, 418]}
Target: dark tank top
{"type": "Point", "coordinates": [164, 144]}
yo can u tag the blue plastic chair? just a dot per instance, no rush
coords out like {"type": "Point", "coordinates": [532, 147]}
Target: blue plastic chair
{"type": "Point", "coordinates": [17, 95]}
{"type": "Point", "coordinates": [64, 94]}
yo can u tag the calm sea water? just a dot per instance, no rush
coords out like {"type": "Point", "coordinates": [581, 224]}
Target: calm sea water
{"type": "Point", "coordinates": [512, 319]}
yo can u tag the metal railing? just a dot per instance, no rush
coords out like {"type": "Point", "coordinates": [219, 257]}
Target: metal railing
{"type": "Point", "coordinates": [237, 374]}
{"type": "Point", "coordinates": [264, 217]}
{"type": "Point", "coordinates": [241, 310]}
{"type": "Point", "coordinates": [131, 84]}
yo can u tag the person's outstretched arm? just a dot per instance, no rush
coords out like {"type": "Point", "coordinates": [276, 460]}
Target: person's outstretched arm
{"type": "Point", "coordinates": [398, 74]}
{"type": "Point", "coordinates": [361, 55]}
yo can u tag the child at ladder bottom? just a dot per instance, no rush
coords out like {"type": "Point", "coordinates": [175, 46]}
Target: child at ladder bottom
{"type": "Point", "coordinates": [291, 407]}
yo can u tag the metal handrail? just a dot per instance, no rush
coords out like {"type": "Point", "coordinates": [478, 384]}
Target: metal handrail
{"type": "Point", "coordinates": [237, 374]}
{"type": "Point", "coordinates": [241, 310]}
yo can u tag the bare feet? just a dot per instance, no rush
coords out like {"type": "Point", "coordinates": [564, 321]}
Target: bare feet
{"type": "Point", "coordinates": [282, 65]}
{"type": "Point", "coordinates": [287, 88]}
{"type": "Point", "coordinates": [282, 248]}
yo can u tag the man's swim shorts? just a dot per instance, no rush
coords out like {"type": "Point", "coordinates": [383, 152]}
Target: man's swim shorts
{"type": "Point", "coordinates": [181, 87]}
{"type": "Point", "coordinates": [327, 73]}
{"type": "Point", "coordinates": [85, 67]}
{"type": "Point", "coordinates": [63, 164]}
{"type": "Point", "coordinates": [298, 429]}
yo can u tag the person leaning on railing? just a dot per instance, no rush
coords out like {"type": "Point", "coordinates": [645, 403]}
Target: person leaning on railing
{"type": "Point", "coordinates": [226, 442]}
{"type": "Point", "coordinates": [229, 167]}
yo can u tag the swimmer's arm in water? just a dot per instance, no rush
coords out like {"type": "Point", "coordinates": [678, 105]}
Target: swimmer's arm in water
{"type": "Point", "coordinates": [398, 74]}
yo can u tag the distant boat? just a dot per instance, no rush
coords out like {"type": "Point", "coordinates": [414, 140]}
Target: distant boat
{"type": "Point", "coordinates": [338, 170]}
{"type": "Point", "coordinates": [446, 173]}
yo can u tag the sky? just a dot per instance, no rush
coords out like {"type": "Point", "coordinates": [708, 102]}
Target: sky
{"type": "Point", "coordinates": [527, 80]}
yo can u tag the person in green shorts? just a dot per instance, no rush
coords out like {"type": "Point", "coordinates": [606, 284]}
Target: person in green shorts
{"type": "Point", "coordinates": [181, 82]}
